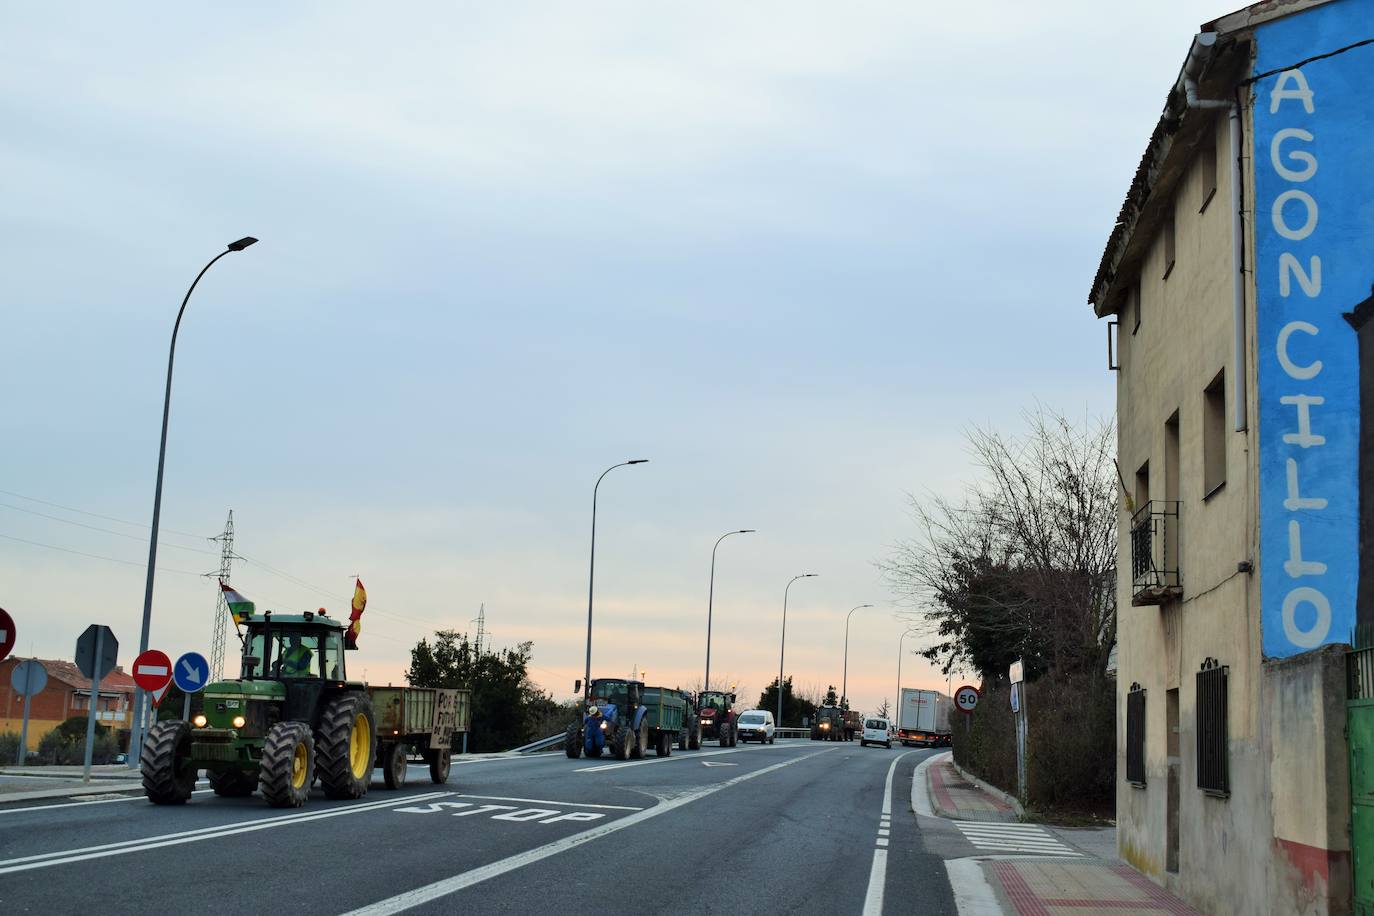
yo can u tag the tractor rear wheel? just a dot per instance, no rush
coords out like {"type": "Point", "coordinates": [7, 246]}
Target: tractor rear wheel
{"type": "Point", "coordinates": [665, 745]}
{"type": "Point", "coordinates": [168, 776]}
{"type": "Point", "coordinates": [288, 765]}
{"type": "Point", "coordinates": [440, 760]}
{"type": "Point", "coordinates": [232, 783]}
{"type": "Point", "coordinates": [394, 764]}
{"type": "Point", "coordinates": [572, 742]}
{"type": "Point", "coordinates": [347, 744]}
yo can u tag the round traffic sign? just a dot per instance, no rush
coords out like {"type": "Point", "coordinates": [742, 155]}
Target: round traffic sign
{"type": "Point", "coordinates": [152, 670]}
{"type": "Point", "coordinates": [7, 637]}
{"type": "Point", "coordinates": [966, 698]}
{"type": "Point", "coordinates": [191, 672]}
{"type": "Point", "coordinates": [29, 677]}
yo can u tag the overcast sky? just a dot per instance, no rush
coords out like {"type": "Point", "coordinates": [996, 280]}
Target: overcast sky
{"type": "Point", "coordinates": [787, 251]}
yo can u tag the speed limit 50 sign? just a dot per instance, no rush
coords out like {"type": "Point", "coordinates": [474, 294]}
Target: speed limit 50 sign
{"type": "Point", "coordinates": [966, 698]}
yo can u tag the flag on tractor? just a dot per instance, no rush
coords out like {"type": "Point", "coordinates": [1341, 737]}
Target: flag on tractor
{"type": "Point", "coordinates": [239, 607]}
{"type": "Point", "coordinates": [355, 619]}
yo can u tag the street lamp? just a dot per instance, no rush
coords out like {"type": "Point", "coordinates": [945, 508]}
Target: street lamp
{"type": "Point", "coordinates": [591, 572]}
{"type": "Point", "coordinates": [710, 601]}
{"type": "Point", "coordinates": [899, 666]}
{"type": "Point", "coordinates": [782, 651]}
{"type": "Point", "coordinates": [844, 681]}
{"type": "Point", "coordinates": [136, 738]}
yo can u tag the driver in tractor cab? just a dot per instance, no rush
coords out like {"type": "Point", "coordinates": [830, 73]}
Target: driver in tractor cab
{"type": "Point", "coordinates": [596, 724]}
{"type": "Point", "coordinates": [296, 658]}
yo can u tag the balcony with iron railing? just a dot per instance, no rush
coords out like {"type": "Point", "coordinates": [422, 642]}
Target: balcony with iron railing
{"type": "Point", "coordinates": [1155, 575]}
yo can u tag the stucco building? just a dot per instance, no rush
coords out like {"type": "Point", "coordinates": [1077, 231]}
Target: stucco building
{"type": "Point", "coordinates": [1231, 282]}
{"type": "Point", "coordinates": [67, 694]}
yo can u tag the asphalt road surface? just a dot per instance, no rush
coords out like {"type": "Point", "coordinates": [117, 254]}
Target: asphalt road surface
{"type": "Point", "coordinates": [796, 827]}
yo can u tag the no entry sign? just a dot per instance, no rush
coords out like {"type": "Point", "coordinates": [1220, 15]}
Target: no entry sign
{"type": "Point", "coordinates": [7, 637]}
{"type": "Point", "coordinates": [153, 670]}
{"type": "Point", "coordinates": [966, 698]}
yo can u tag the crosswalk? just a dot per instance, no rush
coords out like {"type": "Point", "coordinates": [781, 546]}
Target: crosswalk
{"type": "Point", "coordinates": [1019, 838]}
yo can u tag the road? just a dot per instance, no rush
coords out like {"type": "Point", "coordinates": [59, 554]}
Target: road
{"type": "Point", "coordinates": [796, 827]}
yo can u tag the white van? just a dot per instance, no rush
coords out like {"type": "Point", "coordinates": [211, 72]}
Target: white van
{"type": "Point", "coordinates": [877, 730]}
{"type": "Point", "coordinates": [755, 725]}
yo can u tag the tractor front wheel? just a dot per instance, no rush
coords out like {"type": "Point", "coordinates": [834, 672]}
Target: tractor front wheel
{"type": "Point", "coordinates": [232, 783]}
{"type": "Point", "coordinates": [347, 745]}
{"type": "Point", "coordinates": [572, 742]}
{"type": "Point", "coordinates": [725, 735]}
{"type": "Point", "coordinates": [624, 742]}
{"type": "Point", "coordinates": [682, 740]}
{"type": "Point", "coordinates": [694, 739]}
{"type": "Point", "coordinates": [288, 765]}
{"type": "Point", "coordinates": [440, 760]}
{"type": "Point", "coordinates": [394, 764]}
{"type": "Point", "coordinates": [168, 776]}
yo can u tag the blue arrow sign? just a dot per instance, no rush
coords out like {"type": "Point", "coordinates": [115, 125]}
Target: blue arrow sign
{"type": "Point", "coordinates": [191, 672]}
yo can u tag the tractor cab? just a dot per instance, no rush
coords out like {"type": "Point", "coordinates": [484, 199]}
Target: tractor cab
{"type": "Point", "coordinates": [626, 695]}
{"type": "Point", "coordinates": [304, 653]}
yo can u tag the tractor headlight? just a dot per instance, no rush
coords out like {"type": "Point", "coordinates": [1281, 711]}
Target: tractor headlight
{"type": "Point", "coordinates": [239, 722]}
{"type": "Point", "coordinates": [199, 720]}
{"type": "Point", "coordinates": [605, 725]}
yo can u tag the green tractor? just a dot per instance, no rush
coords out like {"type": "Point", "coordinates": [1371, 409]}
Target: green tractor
{"type": "Point", "coordinates": [292, 717]}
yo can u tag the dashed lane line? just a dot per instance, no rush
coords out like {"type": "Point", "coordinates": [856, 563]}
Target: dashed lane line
{"type": "Point", "coordinates": [877, 873]}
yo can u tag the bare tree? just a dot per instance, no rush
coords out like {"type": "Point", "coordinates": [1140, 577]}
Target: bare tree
{"type": "Point", "coordinates": [1024, 566]}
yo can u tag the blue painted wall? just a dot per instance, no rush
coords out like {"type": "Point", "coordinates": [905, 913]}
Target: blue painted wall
{"type": "Point", "coordinates": [1313, 213]}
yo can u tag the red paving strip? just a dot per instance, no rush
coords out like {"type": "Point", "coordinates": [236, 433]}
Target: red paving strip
{"type": "Point", "coordinates": [1029, 903]}
{"type": "Point", "coordinates": [937, 779]}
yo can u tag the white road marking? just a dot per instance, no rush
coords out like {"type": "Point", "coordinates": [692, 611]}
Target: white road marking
{"type": "Point", "coordinates": [1013, 837]}
{"type": "Point", "coordinates": [877, 874]}
{"type": "Point", "coordinates": [683, 755]}
{"type": "Point", "coordinates": [546, 801]}
{"type": "Point", "coordinates": [712, 763]}
{"type": "Point", "coordinates": [973, 895]}
{"type": "Point", "coordinates": [429, 892]}
{"type": "Point", "coordinates": [66, 856]}
{"type": "Point", "coordinates": [94, 801]}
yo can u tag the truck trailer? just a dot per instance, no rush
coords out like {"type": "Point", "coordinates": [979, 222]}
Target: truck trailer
{"type": "Point", "coordinates": [923, 718]}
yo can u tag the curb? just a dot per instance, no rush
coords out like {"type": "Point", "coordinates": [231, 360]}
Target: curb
{"type": "Point", "coordinates": [70, 792]}
{"type": "Point", "coordinates": [920, 788]}
{"type": "Point", "coordinates": [1006, 798]}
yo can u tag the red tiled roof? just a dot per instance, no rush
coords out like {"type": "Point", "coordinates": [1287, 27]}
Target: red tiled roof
{"type": "Point", "coordinates": [68, 673]}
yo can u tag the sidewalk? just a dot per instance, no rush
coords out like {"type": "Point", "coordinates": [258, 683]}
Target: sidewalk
{"type": "Point", "coordinates": [1043, 871]}
{"type": "Point", "coordinates": [33, 783]}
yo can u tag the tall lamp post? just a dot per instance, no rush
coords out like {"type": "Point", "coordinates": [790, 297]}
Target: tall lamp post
{"type": "Point", "coordinates": [782, 651]}
{"type": "Point", "coordinates": [591, 571]}
{"type": "Point", "coordinates": [136, 738]}
{"type": "Point", "coordinates": [710, 601]}
{"type": "Point", "coordinates": [899, 669]}
{"type": "Point", "coordinates": [844, 681]}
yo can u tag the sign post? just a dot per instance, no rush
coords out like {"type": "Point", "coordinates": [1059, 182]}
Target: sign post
{"type": "Point", "coordinates": [1018, 707]}
{"type": "Point", "coordinates": [96, 651]}
{"type": "Point", "coordinates": [191, 673]}
{"type": "Point", "coordinates": [27, 678]}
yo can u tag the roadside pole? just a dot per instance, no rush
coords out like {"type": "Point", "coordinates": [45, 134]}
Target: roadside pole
{"type": "Point", "coordinates": [1018, 709]}
{"type": "Point", "coordinates": [24, 735]}
{"type": "Point", "coordinates": [95, 700]}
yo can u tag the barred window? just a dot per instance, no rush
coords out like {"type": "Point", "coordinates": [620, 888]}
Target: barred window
{"type": "Point", "coordinates": [1212, 773]}
{"type": "Point", "coordinates": [1135, 736]}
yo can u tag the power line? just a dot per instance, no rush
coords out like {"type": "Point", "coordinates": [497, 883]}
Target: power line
{"type": "Point", "coordinates": [96, 556]}
{"type": "Point", "coordinates": [121, 534]}
{"type": "Point", "coordinates": [108, 518]}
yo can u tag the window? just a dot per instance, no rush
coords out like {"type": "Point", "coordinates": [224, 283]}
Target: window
{"type": "Point", "coordinates": [1135, 736]}
{"type": "Point", "coordinates": [1142, 485]}
{"type": "Point", "coordinates": [1212, 773]}
{"type": "Point", "coordinates": [1136, 306]}
{"type": "Point", "coordinates": [1168, 233]}
{"type": "Point", "coordinates": [1207, 167]}
{"type": "Point", "coordinates": [1214, 435]}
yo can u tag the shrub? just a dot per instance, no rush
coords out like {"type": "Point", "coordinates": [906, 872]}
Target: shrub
{"type": "Point", "coordinates": [63, 746]}
{"type": "Point", "coordinates": [9, 747]}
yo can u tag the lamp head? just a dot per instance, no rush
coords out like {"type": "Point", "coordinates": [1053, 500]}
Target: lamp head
{"type": "Point", "coordinates": [242, 243]}
{"type": "Point", "coordinates": [745, 531]}
{"type": "Point", "coordinates": [638, 461]}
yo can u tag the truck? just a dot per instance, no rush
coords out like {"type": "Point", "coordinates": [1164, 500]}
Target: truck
{"type": "Point", "coordinates": [718, 721]}
{"type": "Point", "coordinates": [829, 724]}
{"type": "Point", "coordinates": [292, 717]}
{"type": "Point", "coordinates": [923, 718]}
{"type": "Point", "coordinates": [626, 718]}
{"type": "Point", "coordinates": [853, 724]}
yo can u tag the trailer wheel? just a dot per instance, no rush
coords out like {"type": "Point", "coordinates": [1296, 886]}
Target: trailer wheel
{"type": "Point", "coordinates": [288, 765]}
{"type": "Point", "coordinates": [347, 744]}
{"type": "Point", "coordinates": [572, 741]}
{"type": "Point", "coordinates": [168, 776]}
{"type": "Point", "coordinates": [232, 782]}
{"type": "Point", "coordinates": [394, 764]}
{"type": "Point", "coordinates": [440, 760]}
{"type": "Point", "coordinates": [664, 744]}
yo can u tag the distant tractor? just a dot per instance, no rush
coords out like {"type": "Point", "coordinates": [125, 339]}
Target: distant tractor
{"type": "Point", "coordinates": [829, 724]}
{"type": "Point", "coordinates": [292, 717]}
{"type": "Point", "coordinates": [716, 711]}
{"type": "Point", "coordinates": [626, 718]}
{"type": "Point", "coordinates": [853, 724]}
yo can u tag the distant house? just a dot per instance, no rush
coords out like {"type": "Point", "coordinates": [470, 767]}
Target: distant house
{"type": "Point", "coordinates": [67, 694]}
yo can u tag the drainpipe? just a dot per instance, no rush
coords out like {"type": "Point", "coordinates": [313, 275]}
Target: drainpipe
{"type": "Point", "coordinates": [1198, 54]}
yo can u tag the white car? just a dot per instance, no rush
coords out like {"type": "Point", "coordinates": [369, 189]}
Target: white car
{"type": "Point", "coordinates": [755, 725]}
{"type": "Point", "coordinates": [877, 730]}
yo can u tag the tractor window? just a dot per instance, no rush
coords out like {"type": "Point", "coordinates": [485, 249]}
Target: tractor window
{"type": "Point", "coordinates": [257, 649]}
{"type": "Point", "coordinates": [713, 701]}
{"type": "Point", "coordinates": [332, 663]}
{"type": "Point", "coordinates": [297, 654]}
{"type": "Point", "coordinates": [611, 691]}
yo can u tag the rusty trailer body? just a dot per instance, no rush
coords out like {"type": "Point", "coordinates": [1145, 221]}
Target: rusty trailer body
{"type": "Point", "coordinates": [421, 720]}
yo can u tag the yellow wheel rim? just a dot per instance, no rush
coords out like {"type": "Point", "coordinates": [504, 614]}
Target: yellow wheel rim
{"type": "Point", "coordinates": [298, 766]}
{"type": "Point", "coordinates": [358, 745]}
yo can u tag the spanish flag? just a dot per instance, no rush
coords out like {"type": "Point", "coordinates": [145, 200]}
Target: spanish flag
{"type": "Point", "coordinates": [355, 619]}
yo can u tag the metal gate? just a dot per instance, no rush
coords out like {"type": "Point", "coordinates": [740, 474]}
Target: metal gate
{"type": "Point", "coordinates": [1359, 715]}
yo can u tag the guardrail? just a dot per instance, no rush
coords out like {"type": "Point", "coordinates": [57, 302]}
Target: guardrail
{"type": "Point", "coordinates": [792, 733]}
{"type": "Point", "coordinates": [543, 744]}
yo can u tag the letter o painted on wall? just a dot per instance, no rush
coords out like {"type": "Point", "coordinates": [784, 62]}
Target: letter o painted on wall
{"type": "Point", "coordinates": [1281, 225]}
{"type": "Point", "coordinates": [1316, 635]}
